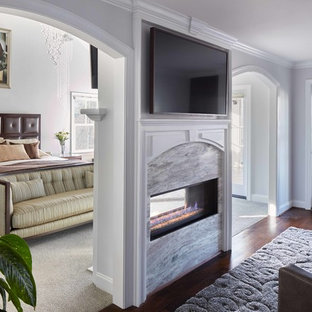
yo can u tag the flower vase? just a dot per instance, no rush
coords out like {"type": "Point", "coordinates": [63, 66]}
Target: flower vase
{"type": "Point", "coordinates": [62, 148]}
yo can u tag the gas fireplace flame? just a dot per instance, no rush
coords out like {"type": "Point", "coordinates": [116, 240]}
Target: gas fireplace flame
{"type": "Point", "coordinates": [190, 207]}
{"type": "Point", "coordinates": [188, 210]}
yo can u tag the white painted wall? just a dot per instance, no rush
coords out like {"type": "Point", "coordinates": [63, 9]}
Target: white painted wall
{"type": "Point", "coordinates": [299, 172]}
{"type": "Point", "coordinates": [109, 217]}
{"type": "Point", "coordinates": [39, 86]}
{"type": "Point", "coordinates": [283, 77]}
{"type": "Point", "coordinates": [103, 263]}
{"type": "Point", "coordinates": [259, 136]}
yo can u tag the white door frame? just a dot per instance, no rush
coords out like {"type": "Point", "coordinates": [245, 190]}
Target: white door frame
{"type": "Point", "coordinates": [245, 90]}
{"type": "Point", "coordinates": [123, 254]}
{"type": "Point", "coordinates": [308, 144]}
{"type": "Point", "coordinates": [273, 209]}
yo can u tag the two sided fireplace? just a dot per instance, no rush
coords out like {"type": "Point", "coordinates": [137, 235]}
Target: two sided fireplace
{"type": "Point", "coordinates": [174, 209]}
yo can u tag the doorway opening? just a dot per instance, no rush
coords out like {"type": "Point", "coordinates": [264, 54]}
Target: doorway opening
{"type": "Point", "coordinates": [48, 90]}
{"type": "Point", "coordinates": [253, 96]}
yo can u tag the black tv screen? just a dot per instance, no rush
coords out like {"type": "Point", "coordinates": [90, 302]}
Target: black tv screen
{"type": "Point", "coordinates": [187, 75]}
{"type": "Point", "coordinates": [94, 67]}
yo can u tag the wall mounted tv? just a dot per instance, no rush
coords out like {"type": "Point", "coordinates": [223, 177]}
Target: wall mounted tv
{"type": "Point", "coordinates": [94, 66]}
{"type": "Point", "coordinates": [187, 76]}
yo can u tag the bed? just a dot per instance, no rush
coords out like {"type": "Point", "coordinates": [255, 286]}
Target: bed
{"type": "Point", "coordinates": [41, 195]}
{"type": "Point", "coordinates": [28, 126]}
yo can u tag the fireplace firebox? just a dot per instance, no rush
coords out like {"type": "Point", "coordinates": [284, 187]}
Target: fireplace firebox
{"type": "Point", "coordinates": [174, 209]}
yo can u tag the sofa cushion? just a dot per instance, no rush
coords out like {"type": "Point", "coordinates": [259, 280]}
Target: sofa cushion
{"type": "Point", "coordinates": [63, 180]}
{"type": "Point", "coordinates": [26, 190]}
{"type": "Point", "coordinates": [56, 180]}
{"type": "Point", "coordinates": [54, 226]}
{"type": "Point", "coordinates": [51, 208]}
{"type": "Point", "coordinates": [89, 179]}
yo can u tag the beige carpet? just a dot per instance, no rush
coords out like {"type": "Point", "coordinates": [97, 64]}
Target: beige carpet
{"type": "Point", "coordinates": [60, 263]}
{"type": "Point", "coordinates": [246, 213]}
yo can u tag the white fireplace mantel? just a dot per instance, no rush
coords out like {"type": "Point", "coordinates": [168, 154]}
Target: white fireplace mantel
{"type": "Point", "coordinates": [159, 135]}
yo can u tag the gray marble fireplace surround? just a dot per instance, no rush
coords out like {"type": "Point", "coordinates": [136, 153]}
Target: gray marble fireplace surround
{"type": "Point", "coordinates": [178, 252]}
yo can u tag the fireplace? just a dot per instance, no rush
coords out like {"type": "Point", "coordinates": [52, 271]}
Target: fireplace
{"type": "Point", "coordinates": [174, 209]}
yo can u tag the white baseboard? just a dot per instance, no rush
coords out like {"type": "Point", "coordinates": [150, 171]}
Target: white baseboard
{"type": "Point", "coordinates": [103, 282]}
{"type": "Point", "coordinates": [259, 198]}
{"type": "Point", "coordinates": [284, 207]}
{"type": "Point", "coordinates": [300, 204]}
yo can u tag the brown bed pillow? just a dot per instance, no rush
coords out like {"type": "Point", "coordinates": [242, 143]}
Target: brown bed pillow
{"type": "Point", "coordinates": [12, 152]}
{"type": "Point", "coordinates": [32, 149]}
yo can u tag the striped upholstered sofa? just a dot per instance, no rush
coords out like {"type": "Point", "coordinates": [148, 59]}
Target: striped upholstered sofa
{"type": "Point", "coordinates": [46, 201]}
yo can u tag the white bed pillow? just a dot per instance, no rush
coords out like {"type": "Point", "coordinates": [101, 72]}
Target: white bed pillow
{"type": "Point", "coordinates": [43, 154]}
{"type": "Point", "coordinates": [22, 141]}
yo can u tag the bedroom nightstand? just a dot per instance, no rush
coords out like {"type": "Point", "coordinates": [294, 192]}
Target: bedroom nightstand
{"type": "Point", "coordinates": [71, 156]}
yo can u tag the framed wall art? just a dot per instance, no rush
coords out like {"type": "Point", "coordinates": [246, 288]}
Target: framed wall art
{"type": "Point", "coordinates": [5, 37]}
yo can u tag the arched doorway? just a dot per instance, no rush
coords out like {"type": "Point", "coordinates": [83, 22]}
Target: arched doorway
{"type": "Point", "coordinates": [273, 128]}
{"type": "Point", "coordinates": [112, 231]}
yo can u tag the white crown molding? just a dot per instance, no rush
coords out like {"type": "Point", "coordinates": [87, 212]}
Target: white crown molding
{"type": "Point", "coordinates": [123, 4]}
{"type": "Point", "coordinates": [169, 18]}
{"type": "Point", "coordinates": [303, 65]}
{"type": "Point", "coordinates": [262, 54]}
{"type": "Point", "coordinates": [195, 27]}
{"type": "Point", "coordinates": [159, 14]}
{"type": "Point", "coordinates": [199, 28]}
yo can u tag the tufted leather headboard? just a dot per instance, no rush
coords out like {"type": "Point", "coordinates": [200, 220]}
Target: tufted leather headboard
{"type": "Point", "coordinates": [20, 126]}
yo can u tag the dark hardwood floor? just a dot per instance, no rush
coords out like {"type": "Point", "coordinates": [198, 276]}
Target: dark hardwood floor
{"type": "Point", "coordinates": [244, 245]}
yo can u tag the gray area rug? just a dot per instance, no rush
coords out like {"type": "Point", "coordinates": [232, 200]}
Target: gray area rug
{"type": "Point", "coordinates": [246, 213]}
{"type": "Point", "coordinates": [60, 263]}
{"type": "Point", "coordinates": [253, 285]}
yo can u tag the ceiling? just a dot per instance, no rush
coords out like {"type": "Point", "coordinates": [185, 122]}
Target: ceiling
{"type": "Point", "coordinates": [281, 27]}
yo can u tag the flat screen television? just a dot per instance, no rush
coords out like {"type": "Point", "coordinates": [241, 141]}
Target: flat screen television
{"type": "Point", "coordinates": [94, 67]}
{"type": "Point", "coordinates": [187, 76]}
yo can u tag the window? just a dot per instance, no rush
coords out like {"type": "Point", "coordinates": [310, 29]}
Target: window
{"type": "Point", "coordinates": [82, 128]}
